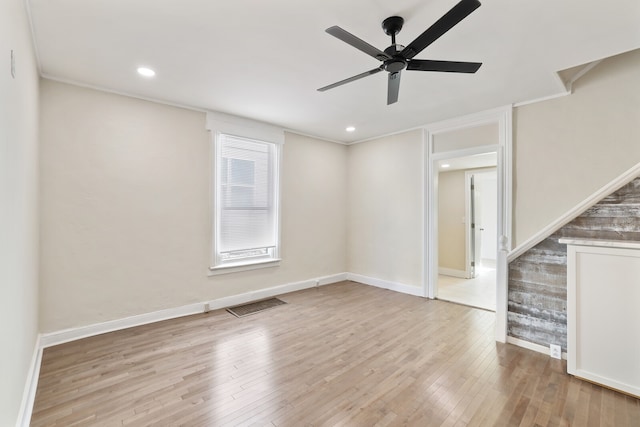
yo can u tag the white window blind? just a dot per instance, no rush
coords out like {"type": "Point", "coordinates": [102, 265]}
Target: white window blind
{"type": "Point", "coordinates": [246, 201]}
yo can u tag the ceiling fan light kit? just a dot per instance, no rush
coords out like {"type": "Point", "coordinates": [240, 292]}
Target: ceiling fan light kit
{"type": "Point", "coordinates": [396, 57]}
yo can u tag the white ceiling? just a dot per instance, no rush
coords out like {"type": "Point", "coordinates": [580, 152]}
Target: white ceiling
{"type": "Point", "coordinates": [265, 59]}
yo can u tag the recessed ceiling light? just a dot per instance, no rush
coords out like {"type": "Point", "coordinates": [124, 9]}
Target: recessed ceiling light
{"type": "Point", "coordinates": [445, 165]}
{"type": "Point", "coordinates": [350, 129]}
{"type": "Point", "coordinates": [147, 72]}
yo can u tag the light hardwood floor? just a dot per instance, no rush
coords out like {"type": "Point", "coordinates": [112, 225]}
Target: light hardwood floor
{"type": "Point", "coordinates": [343, 354]}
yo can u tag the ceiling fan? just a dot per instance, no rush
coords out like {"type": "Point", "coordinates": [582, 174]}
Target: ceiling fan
{"type": "Point", "coordinates": [396, 58]}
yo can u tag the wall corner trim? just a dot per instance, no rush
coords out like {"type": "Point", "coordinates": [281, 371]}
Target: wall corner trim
{"type": "Point", "coordinates": [568, 216]}
{"type": "Point", "coordinates": [386, 284]}
{"type": "Point", "coordinates": [452, 272]}
{"type": "Point", "coordinates": [242, 126]}
{"type": "Point", "coordinates": [31, 385]}
{"type": "Point", "coordinates": [532, 346]}
{"type": "Point", "coordinates": [542, 99]}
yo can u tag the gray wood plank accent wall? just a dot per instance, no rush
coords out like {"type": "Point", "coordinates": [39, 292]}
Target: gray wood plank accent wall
{"type": "Point", "coordinates": [537, 309]}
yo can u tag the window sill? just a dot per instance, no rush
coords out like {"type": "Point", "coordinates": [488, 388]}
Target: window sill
{"type": "Point", "coordinates": [242, 266]}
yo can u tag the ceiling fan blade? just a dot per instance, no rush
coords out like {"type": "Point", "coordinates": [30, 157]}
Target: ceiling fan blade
{"type": "Point", "coordinates": [350, 79]}
{"type": "Point", "coordinates": [358, 43]}
{"type": "Point", "coordinates": [441, 26]}
{"type": "Point", "coordinates": [444, 66]}
{"type": "Point", "coordinates": [393, 88]}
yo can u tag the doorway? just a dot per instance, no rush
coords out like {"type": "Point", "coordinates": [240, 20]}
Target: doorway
{"type": "Point", "coordinates": [467, 230]}
{"type": "Point", "coordinates": [481, 133]}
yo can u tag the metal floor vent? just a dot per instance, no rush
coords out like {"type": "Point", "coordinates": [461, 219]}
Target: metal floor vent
{"type": "Point", "coordinates": [255, 307]}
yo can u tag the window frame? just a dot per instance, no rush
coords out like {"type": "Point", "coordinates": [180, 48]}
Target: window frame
{"type": "Point", "coordinates": [220, 125]}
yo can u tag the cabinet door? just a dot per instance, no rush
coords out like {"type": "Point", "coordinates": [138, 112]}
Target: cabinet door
{"type": "Point", "coordinates": [603, 316]}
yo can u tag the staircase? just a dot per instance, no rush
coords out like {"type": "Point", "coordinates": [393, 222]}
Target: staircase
{"type": "Point", "coordinates": [537, 284]}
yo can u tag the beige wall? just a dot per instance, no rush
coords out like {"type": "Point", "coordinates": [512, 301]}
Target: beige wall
{"type": "Point", "coordinates": [125, 209]}
{"type": "Point", "coordinates": [18, 207]}
{"type": "Point", "coordinates": [569, 147]}
{"type": "Point", "coordinates": [451, 228]}
{"type": "Point", "coordinates": [385, 211]}
{"type": "Point", "coordinates": [460, 139]}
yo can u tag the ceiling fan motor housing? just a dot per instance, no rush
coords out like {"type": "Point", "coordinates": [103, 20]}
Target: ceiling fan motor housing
{"type": "Point", "coordinates": [395, 64]}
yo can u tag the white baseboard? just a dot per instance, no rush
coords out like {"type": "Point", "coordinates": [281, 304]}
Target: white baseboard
{"type": "Point", "coordinates": [66, 335]}
{"type": "Point", "coordinates": [532, 346]}
{"type": "Point", "coordinates": [271, 292]}
{"type": "Point", "coordinates": [30, 387]}
{"type": "Point", "coordinates": [72, 334]}
{"type": "Point", "coordinates": [607, 382]}
{"type": "Point", "coordinates": [385, 284]}
{"type": "Point", "coordinates": [452, 272]}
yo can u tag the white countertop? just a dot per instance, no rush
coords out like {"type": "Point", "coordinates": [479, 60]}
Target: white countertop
{"type": "Point", "coordinates": [627, 244]}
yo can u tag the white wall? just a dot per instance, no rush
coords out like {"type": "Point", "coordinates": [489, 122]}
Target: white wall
{"type": "Point", "coordinates": [569, 147]}
{"type": "Point", "coordinates": [386, 204]}
{"type": "Point", "coordinates": [125, 209]}
{"type": "Point", "coordinates": [18, 207]}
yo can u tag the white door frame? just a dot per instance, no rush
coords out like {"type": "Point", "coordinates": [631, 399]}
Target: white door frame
{"type": "Point", "coordinates": [467, 214]}
{"type": "Point", "coordinates": [503, 149]}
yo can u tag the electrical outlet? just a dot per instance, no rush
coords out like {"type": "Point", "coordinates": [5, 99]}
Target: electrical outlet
{"type": "Point", "coordinates": [206, 307]}
{"type": "Point", "coordinates": [13, 65]}
{"type": "Point", "coordinates": [555, 351]}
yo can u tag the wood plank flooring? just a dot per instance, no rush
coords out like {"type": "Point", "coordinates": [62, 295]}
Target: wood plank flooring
{"type": "Point", "coordinates": [343, 354]}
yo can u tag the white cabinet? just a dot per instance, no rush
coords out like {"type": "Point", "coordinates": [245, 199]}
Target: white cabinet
{"type": "Point", "coordinates": [603, 312]}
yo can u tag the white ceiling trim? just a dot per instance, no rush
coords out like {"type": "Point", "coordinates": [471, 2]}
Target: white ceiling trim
{"type": "Point", "coordinates": [117, 92]}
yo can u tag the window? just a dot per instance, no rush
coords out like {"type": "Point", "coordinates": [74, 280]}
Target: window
{"type": "Point", "coordinates": [245, 202]}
